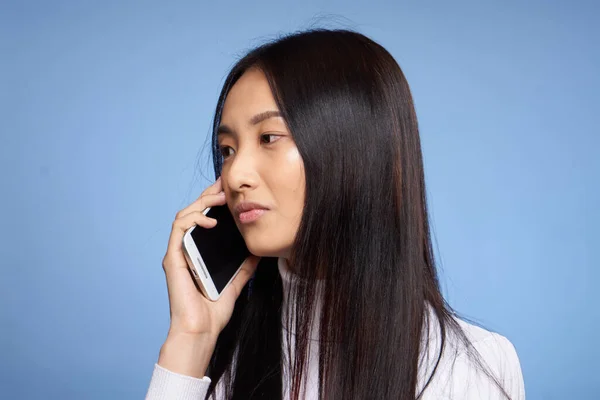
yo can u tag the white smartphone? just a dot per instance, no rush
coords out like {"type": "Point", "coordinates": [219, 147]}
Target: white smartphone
{"type": "Point", "coordinates": [215, 255]}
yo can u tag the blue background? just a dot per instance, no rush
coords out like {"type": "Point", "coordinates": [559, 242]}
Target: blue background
{"type": "Point", "coordinates": [105, 110]}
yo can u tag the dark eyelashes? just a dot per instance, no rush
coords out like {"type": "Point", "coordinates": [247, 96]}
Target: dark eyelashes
{"type": "Point", "coordinates": [224, 149]}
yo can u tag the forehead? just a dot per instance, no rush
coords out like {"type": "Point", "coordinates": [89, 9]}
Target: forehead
{"type": "Point", "coordinates": [249, 96]}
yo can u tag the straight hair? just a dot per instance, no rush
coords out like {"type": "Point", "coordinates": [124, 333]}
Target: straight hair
{"type": "Point", "coordinates": [364, 232]}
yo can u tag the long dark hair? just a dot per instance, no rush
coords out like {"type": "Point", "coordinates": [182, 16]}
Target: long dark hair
{"type": "Point", "coordinates": [364, 229]}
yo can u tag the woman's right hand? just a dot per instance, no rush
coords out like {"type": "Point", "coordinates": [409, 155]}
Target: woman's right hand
{"type": "Point", "coordinates": [196, 321]}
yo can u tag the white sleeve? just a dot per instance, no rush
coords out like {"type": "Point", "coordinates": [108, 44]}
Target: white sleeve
{"type": "Point", "coordinates": [498, 355]}
{"type": "Point", "coordinates": [512, 376]}
{"type": "Point", "coordinates": [170, 385]}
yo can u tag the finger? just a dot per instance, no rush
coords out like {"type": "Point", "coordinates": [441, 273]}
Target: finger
{"type": "Point", "coordinates": [243, 276]}
{"type": "Point", "coordinates": [214, 188]}
{"type": "Point", "coordinates": [208, 200]}
{"type": "Point", "coordinates": [181, 225]}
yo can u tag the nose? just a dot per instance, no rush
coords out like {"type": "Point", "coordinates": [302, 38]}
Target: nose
{"type": "Point", "coordinates": [242, 174]}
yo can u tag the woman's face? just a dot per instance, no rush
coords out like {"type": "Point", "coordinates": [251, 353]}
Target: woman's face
{"type": "Point", "coordinates": [263, 173]}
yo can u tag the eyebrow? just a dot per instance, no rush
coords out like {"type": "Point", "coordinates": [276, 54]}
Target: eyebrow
{"type": "Point", "coordinates": [255, 120]}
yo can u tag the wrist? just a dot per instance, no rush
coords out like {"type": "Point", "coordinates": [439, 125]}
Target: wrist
{"type": "Point", "coordinates": [187, 354]}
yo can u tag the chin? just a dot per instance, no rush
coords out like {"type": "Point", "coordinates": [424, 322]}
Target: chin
{"type": "Point", "coordinates": [262, 248]}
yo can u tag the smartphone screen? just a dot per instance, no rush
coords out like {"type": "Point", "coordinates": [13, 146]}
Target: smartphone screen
{"type": "Point", "coordinates": [222, 248]}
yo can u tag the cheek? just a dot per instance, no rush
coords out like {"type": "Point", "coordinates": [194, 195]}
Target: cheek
{"type": "Point", "coordinates": [290, 188]}
{"type": "Point", "coordinates": [291, 176]}
{"type": "Point", "coordinates": [292, 155]}
{"type": "Point", "coordinates": [284, 177]}
{"type": "Point", "coordinates": [295, 167]}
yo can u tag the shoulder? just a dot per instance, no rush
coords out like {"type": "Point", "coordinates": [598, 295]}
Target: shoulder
{"type": "Point", "coordinates": [491, 352]}
{"type": "Point", "coordinates": [472, 369]}
{"type": "Point", "coordinates": [493, 348]}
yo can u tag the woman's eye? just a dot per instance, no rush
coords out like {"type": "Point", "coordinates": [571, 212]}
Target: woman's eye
{"type": "Point", "coordinates": [226, 151]}
{"type": "Point", "coordinates": [268, 138]}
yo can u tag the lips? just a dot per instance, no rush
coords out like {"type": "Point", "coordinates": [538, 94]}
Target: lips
{"type": "Point", "coordinates": [249, 211]}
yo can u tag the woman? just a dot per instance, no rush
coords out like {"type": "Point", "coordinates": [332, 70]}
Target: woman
{"type": "Point", "coordinates": [319, 129]}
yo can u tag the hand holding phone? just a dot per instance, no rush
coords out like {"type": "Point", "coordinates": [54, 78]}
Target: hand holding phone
{"type": "Point", "coordinates": [215, 255]}
{"type": "Point", "coordinates": [192, 313]}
